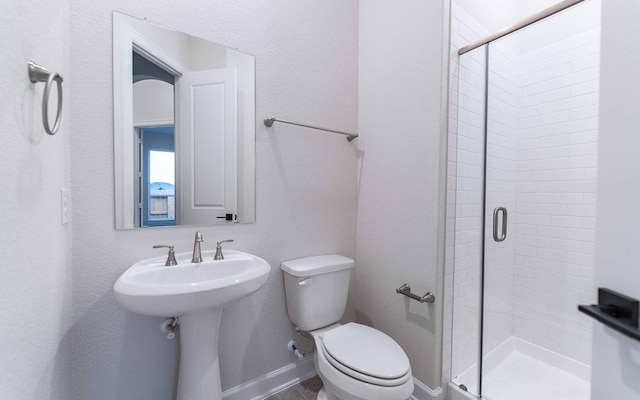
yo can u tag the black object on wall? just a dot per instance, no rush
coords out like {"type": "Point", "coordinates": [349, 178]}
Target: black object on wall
{"type": "Point", "coordinates": [616, 311]}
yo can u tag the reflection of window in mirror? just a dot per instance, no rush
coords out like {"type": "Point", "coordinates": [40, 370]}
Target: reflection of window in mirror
{"type": "Point", "coordinates": [153, 121]}
{"type": "Point", "coordinates": [161, 208]}
{"type": "Point", "coordinates": [157, 205]}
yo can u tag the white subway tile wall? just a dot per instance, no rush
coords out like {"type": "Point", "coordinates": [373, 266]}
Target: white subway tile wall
{"type": "Point", "coordinates": [555, 208]}
{"type": "Point", "coordinates": [542, 163]}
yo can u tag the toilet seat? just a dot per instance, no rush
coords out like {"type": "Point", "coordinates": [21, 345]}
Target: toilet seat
{"type": "Point", "coordinates": [366, 354]}
{"type": "Point", "coordinates": [344, 383]}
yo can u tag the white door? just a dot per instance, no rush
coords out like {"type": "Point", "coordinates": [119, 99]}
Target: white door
{"type": "Point", "coordinates": [616, 357]}
{"type": "Point", "coordinates": [208, 145]}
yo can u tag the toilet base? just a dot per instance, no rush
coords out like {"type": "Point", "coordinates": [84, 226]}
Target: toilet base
{"type": "Point", "coordinates": [324, 394]}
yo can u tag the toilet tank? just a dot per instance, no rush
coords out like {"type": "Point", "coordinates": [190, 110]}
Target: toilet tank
{"type": "Point", "coordinates": [316, 289]}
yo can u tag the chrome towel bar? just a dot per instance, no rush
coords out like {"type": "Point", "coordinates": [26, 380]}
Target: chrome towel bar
{"type": "Point", "coordinates": [406, 290]}
{"type": "Point", "coordinates": [269, 122]}
{"type": "Point", "coordinates": [39, 73]}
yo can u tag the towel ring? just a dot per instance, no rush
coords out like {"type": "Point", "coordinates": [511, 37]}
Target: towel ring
{"type": "Point", "coordinates": [38, 73]}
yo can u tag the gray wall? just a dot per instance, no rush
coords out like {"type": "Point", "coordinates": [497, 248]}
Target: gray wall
{"type": "Point", "coordinates": [306, 70]}
{"type": "Point", "coordinates": [401, 114]}
{"type": "Point", "coordinates": [615, 364]}
{"type": "Point", "coordinates": [35, 277]}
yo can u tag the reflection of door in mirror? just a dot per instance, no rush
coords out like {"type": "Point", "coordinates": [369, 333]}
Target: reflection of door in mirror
{"type": "Point", "coordinates": [209, 153]}
{"type": "Point", "coordinates": [154, 150]}
{"type": "Point", "coordinates": [205, 189]}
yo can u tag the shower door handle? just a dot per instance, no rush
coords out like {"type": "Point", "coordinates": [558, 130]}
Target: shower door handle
{"type": "Point", "coordinates": [496, 212]}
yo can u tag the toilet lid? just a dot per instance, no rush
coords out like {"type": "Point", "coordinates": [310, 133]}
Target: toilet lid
{"type": "Point", "coordinates": [367, 351]}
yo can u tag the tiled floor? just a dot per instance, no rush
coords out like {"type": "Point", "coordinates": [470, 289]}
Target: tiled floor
{"type": "Point", "coordinates": [306, 390]}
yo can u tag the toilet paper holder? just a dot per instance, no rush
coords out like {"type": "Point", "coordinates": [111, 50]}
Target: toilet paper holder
{"type": "Point", "coordinates": [405, 290]}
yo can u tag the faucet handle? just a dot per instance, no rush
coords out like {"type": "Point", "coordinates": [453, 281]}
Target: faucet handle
{"type": "Point", "coordinates": [171, 257]}
{"type": "Point", "coordinates": [219, 255]}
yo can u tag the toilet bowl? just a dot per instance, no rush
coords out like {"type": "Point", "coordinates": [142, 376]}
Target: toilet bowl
{"type": "Point", "coordinates": [354, 361]}
{"type": "Point", "coordinates": [357, 362]}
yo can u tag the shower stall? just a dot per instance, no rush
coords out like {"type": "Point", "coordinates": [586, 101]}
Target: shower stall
{"type": "Point", "coordinates": [521, 206]}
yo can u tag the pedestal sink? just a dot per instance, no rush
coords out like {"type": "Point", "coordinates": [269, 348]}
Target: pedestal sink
{"type": "Point", "coordinates": [196, 293]}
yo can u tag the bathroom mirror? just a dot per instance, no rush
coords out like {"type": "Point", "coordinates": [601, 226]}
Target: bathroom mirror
{"type": "Point", "coordinates": [184, 128]}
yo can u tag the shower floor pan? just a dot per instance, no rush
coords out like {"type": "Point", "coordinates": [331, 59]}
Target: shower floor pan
{"type": "Point", "coordinates": [523, 371]}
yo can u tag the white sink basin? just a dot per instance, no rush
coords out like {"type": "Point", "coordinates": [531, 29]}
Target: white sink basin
{"type": "Point", "coordinates": [196, 293]}
{"type": "Point", "coordinates": [150, 288]}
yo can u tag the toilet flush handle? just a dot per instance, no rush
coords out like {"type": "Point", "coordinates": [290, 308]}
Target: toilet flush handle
{"type": "Point", "coordinates": [305, 282]}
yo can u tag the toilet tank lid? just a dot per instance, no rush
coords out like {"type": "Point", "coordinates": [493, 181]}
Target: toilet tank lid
{"type": "Point", "coordinates": [317, 265]}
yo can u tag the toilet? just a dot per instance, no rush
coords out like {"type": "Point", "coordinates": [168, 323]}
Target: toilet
{"type": "Point", "coordinates": [354, 361]}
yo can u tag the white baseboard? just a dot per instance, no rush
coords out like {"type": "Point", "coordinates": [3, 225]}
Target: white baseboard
{"type": "Point", "coordinates": [424, 392]}
{"type": "Point", "coordinates": [272, 382]}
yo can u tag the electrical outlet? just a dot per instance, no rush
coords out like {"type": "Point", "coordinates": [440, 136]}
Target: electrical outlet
{"type": "Point", "coordinates": [65, 206]}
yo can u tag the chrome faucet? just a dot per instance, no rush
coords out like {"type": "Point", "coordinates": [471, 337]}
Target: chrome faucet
{"type": "Point", "coordinates": [197, 255]}
{"type": "Point", "coordinates": [219, 255]}
{"type": "Point", "coordinates": [171, 257]}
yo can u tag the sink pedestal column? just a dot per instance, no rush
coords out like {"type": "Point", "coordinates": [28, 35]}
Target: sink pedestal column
{"type": "Point", "coordinates": [199, 373]}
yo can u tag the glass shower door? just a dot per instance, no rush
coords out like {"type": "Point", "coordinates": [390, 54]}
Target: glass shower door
{"type": "Point", "coordinates": [469, 199]}
{"type": "Point", "coordinates": [500, 214]}
{"type": "Point", "coordinates": [540, 182]}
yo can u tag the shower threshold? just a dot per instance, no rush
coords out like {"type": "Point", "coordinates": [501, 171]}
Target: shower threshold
{"type": "Point", "coordinates": [520, 370]}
